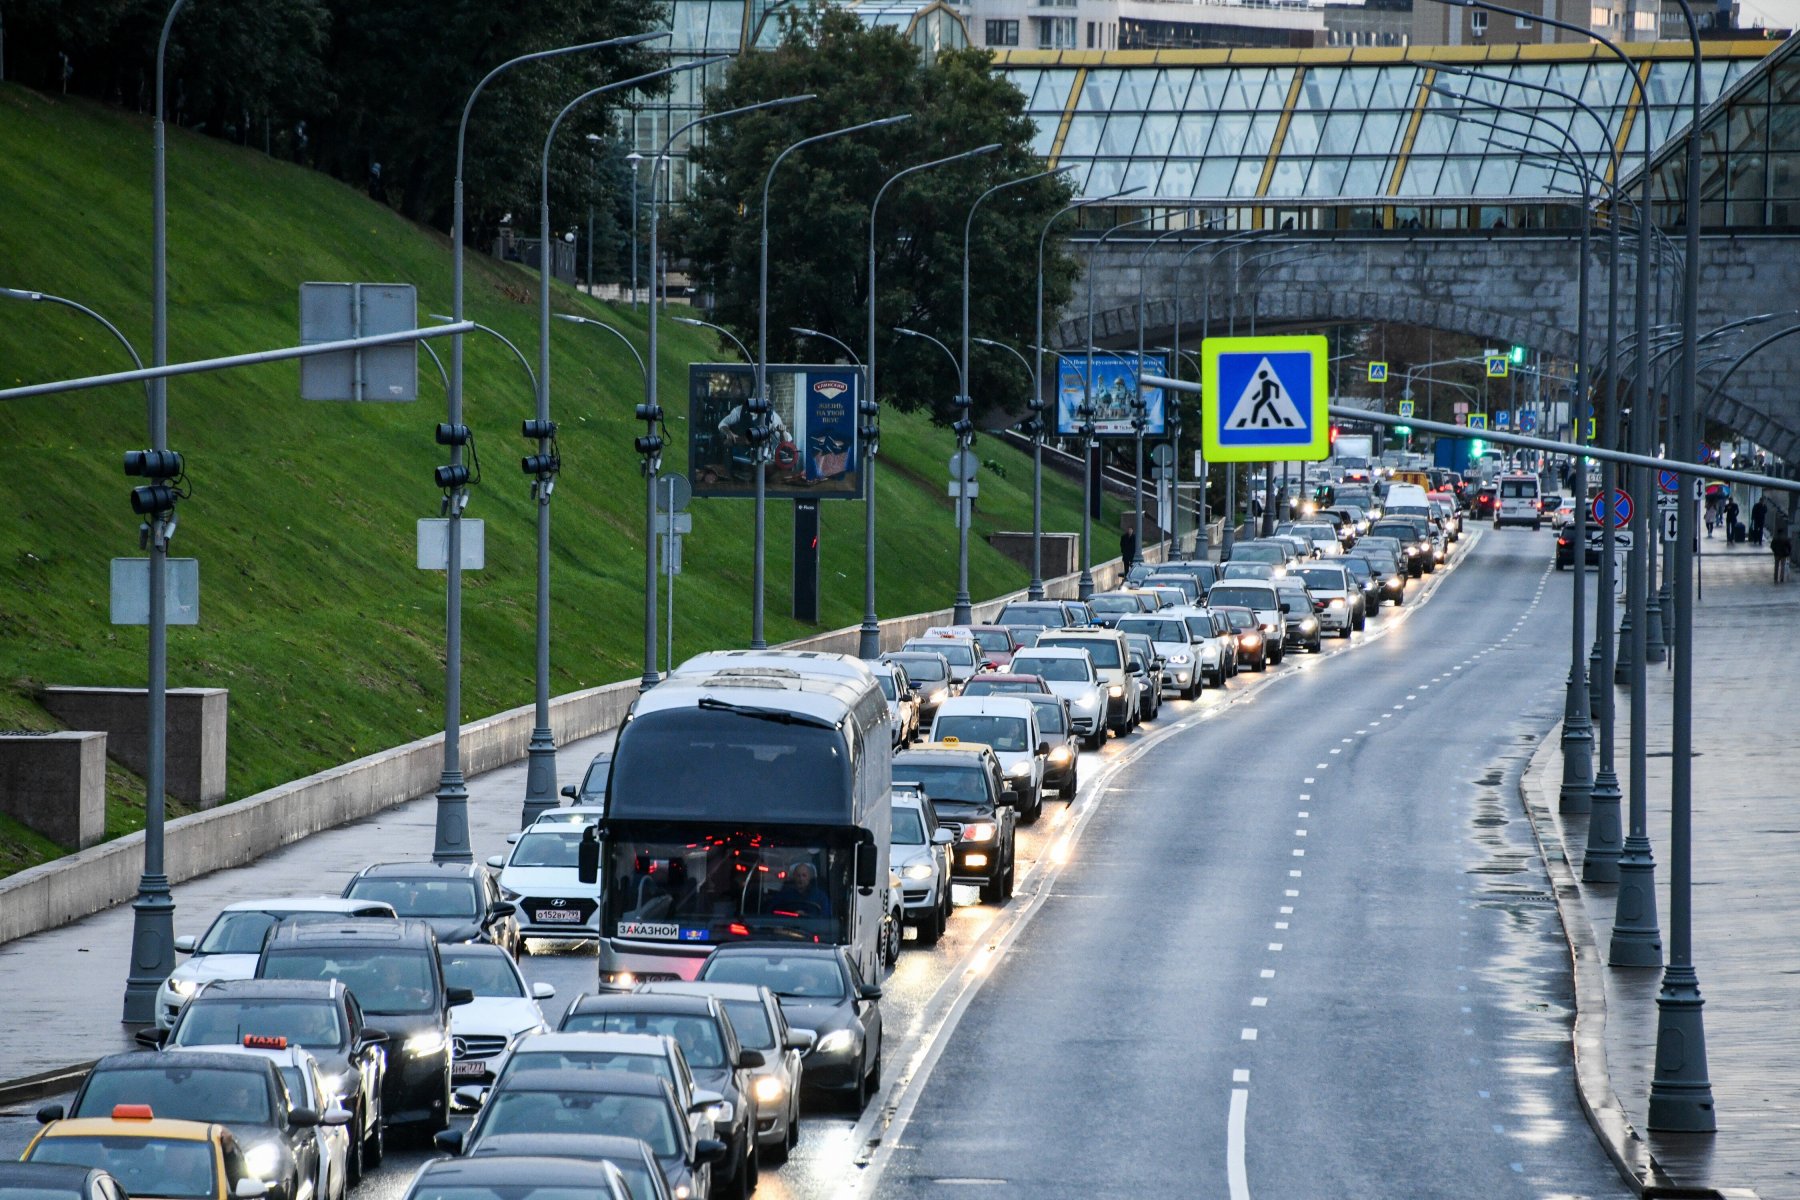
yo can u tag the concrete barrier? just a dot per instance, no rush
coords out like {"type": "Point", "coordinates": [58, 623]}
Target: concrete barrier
{"type": "Point", "coordinates": [55, 893]}
{"type": "Point", "coordinates": [194, 768]}
{"type": "Point", "coordinates": [55, 783]}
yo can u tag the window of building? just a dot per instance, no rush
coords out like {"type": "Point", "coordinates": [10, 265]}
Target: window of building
{"type": "Point", "coordinates": [1002, 33]}
{"type": "Point", "coordinates": [1600, 17]}
{"type": "Point", "coordinates": [1055, 33]}
{"type": "Point", "coordinates": [1523, 22]}
{"type": "Point", "coordinates": [1478, 21]}
{"type": "Point", "coordinates": [1644, 22]}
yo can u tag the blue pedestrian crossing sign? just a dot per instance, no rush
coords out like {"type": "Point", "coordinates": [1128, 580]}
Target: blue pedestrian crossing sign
{"type": "Point", "coordinates": [1265, 399]}
{"type": "Point", "coordinates": [1377, 372]}
{"type": "Point", "coordinates": [1477, 420]}
{"type": "Point", "coordinates": [1496, 366]}
{"type": "Point", "coordinates": [1406, 409]}
{"type": "Point", "coordinates": [1503, 419]}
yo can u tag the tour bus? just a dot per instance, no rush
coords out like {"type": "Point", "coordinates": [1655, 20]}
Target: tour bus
{"type": "Point", "coordinates": [748, 801]}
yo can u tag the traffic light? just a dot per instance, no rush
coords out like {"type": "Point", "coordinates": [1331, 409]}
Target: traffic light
{"type": "Point", "coordinates": [869, 431]}
{"type": "Point", "coordinates": [160, 467]}
{"type": "Point", "coordinates": [1334, 434]}
{"type": "Point", "coordinates": [1403, 431]}
{"type": "Point", "coordinates": [1516, 356]}
{"type": "Point", "coordinates": [547, 462]}
{"type": "Point", "coordinates": [1476, 446]}
{"type": "Point", "coordinates": [453, 476]}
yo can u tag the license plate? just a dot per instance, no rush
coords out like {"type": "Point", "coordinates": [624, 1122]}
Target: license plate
{"type": "Point", "coordinates": [552, 916]}
{"type": "Point", "coordinates": [468, 1068]}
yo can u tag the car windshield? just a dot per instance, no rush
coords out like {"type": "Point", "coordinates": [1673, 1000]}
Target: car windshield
{"type": "Point", "coordinates": [671, 885]}
{"type": "Point", "coordinates": [383, 980]}
{"type": "Point", "coordinates": [482, 973]}
{"type": "Point", "coordinates": [1357, 568]}
{"type": "Point", "coordinates": [799, 976]}
{"type": "Point", "coordinates": [908, 827]}
{"type": "Point", "coordinates": [1005, 734]}
{"type": "Point", "coordinates": [997, 687]}
{"type": "Point", "coordinates": [1103, 652]}
{"type": "Point", "coordinates": [645, 1117]}
{"type": "Point", "coordinates": [237, 933]}
{"type": "Point", "coordinates": [750, 1021]}
{"type": "Point", "coordinates": [946, 781]}
{"type": "Point", "coordinates": [1240, 619]}
{"type": "Point", "coordinates": [226, 1022]}
{"type": "Point", "coordinates": [630, 1062]}
{"type": "Point", "coordinates": [993, 639]}
{"type": "Point", "coordinates": [957, 654]}
{"type": "Point", "coordinates": [1041, 615]}
{"type": "Point", "coordinates": [695, 1033]}
{"type": "Point", "coordinates": [1113, 604]}
{"type": "Point", "coordinates": [144, 1166]}
{"type": "Point", "coordinates": [921, 669]}
{"type": "Point", "coordinates": [1247, 570]}
{"type": "Point", "coordinates": [1058, 670]}
{"type": "Point", "coordinates": [1323, 577]}
{"type": "Point", "coordinates": [426, 897]}
{"type": "Point", "coordinates": [887, 686]}
{"type": "Point", "coordinates": [1255, 553]}
{"type": "Point", "coordinates": [1050, 715]}
{"type": "Point", "coordinates": [426, 1190]}
{"type": "Point", "coordinates": [181, 1093]}
{"type": "Point", "coordinates": [1245, 597]}
{"type": "Point", "coordinates": [554, 849]}
{"type": "Point", "coordinates": [1156, 631]}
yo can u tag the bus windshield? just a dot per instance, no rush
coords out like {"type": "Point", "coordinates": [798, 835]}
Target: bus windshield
{"type": "Point", "coordinates": [716, 764]}
{"type": "Point", "coordinates": [667, 884]}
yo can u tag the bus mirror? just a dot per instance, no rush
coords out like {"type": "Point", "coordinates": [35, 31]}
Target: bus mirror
{"type": "Point", "coordinates": [587, 855]}
{"type": "Point", "coordinates": [865, 865]}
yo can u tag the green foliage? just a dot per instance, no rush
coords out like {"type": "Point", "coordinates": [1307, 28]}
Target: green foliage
{"type": "Point", "coordinates": [302, 517]}
{"type": "Point", "coordinates": [819, 209]}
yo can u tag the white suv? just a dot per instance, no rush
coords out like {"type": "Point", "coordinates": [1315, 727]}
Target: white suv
{"type": "Point", "coordinates": [920, 851]}
{"type": "Point", "coordinates": [1070, 674]}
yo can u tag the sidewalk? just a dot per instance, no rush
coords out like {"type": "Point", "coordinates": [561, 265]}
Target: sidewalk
{"type": "Point", "coordinates": [1746, 856]}
{"type": "Point", "coordinates": [69, 983]}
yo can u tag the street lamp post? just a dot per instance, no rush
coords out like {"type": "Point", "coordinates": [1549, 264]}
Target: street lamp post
{"type": "Point", "coordinates": [546, 464]}
{"type": "Point", "coordinates": [869, 635]}
{"type": "Point", "coordinates": [759, 403]}
{"type": "Point", "coordinates": [965, 403]}
{"type": "Point", "coordinates": [1140, 414]}
{"type": "Point", "coordinates": [636, 160]}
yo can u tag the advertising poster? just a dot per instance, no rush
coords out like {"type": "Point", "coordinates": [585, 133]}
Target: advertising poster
{"type": "Point", "coordinates": [1115, 377]}
{"type": "Point", "coordinates": [814, 443]}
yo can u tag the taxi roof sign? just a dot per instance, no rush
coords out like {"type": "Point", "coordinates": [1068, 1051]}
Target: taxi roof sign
{"type": "Point", "coordinates": [1265, 399]}
{"type": "Point", "coordinates": [133, 1112]}
{"type": "Point", "coordinates": [264, 1041]}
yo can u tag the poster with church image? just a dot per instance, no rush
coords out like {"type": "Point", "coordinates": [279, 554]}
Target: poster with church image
{"type": "Point", "coordinates": [1115, 380]}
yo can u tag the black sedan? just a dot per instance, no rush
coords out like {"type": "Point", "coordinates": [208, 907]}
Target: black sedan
{"type": "Point", "coordinates": [520, 1176]}
{"type": "Point", "coordinates": [632, 1156]}
{"type": "Point", "coordinates": [57, 1181]}
{"type": "Point", "coordinates": [821, 990]}
{"type": "Point", "coordinates": [1596, 545]}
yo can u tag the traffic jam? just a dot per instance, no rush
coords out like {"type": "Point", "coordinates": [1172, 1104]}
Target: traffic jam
{"type": "Point", "coordinates": [744, 868]}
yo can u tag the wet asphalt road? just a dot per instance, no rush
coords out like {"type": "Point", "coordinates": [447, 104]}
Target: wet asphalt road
{"type": "Point", "coordinates": [1183, 1015]}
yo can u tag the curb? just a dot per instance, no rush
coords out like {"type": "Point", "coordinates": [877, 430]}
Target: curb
{"type": "Point", "coordinates": [49, 1083]}
{"type": "Point", "coordinates": [1636, 1164]}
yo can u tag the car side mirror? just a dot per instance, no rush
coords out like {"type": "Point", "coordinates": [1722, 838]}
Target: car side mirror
{"type": "Point", "coordinates": [569, 790]}
{"type": "Point", "coordinates": [456, 997]}
{"type": "Point", "coordinates": [512, 839]}
{"type": "Point", "coordinates": [543, 991]}
{"type": "Point", "coordinates": [1157, 664]}
{"type": "Point", "coordinates": [249, 1189]}
{"type": "Point", "coordinates": [467, 1099]}
{"type": "Point", "coordinates": [151, 1039]}
{"type": "Point", "coordinates": [496, 861]}
{"type": "Point", "coordinates": [1043, 749]}
{"type": "Point", "coordinates": [450, 1141]}
{"type": "Point", "coordinates": [865, 865]}
{"type": "Point", "coordinates": [587, 855]}
{"type": "Point", "coordinates": [869, 991]}
{"type": "Point", "coordinates": [942, 837]}
{"type": "Point", "coordinates": [186, 942]}
{"type": "Point", "coordinates": [371, 1037]}
{"type": "Point", "coordinates": [749, 1060]}
{"type": "Point", "coordinates": [335, 1116]}
{"type": "Point", "coordinates": [49, 1113]}
{"type": "Point", "coordinates": [801, 1040]}
{"type": "Point", "coordinates": [703, 1099]}
{"type": "Point", "coordinates": [501, 908]}
{"type": "Point", "coordinates": [304, 1118]}
{"type": "Point", "coordinates": [709, 1151]}
{"type": "Point", "coordinates": [1135, 666]}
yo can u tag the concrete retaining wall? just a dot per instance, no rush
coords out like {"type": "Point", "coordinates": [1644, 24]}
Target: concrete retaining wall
{"type": "Point", "coordinates": [59, 892]}
{"type": "Point", "coordinates": [55, 783]}
{"type": "Point", "coordinates": [194, 760]}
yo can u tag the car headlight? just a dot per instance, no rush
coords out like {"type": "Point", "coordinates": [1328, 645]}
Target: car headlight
{"type": "Point", "coordinates": [1060, 755]}
{"type": "Point", "coordinates": [978, 831]}
{"type": "Point", "coordinates": [1251, 640]}
{"type": "Point", "coordinates": [1116, 690]}
{"type": "Point", "coordinates": [1087, 702]}
{"type": "Point", "coordinates": [918, 870]}
{"type": "Point", "coordinates": [1020, 770]}
{"type": "Point", "coordinates": [684, 1192]}
{"type": "Point", "coordinates": [423, 1045]}
{"type": "Point", "coordinates": [263, 1161]}
{"type": "Point", "coordinates": [1337, 603]}
{"type": "Point", "coordinates": [721, 1113]}
{"type": "Point", "coordinates": [1178, 660]}
{"type": "Point", "coordinates": [836, 1042]}
{"type": "Point", "coordinates": [183, 987]}
{"type": "Point", "coordinates": [1308, 624]}
{"type": "Point", "coordinates": [624, 979]}
{"type": "Point", "coordinates": [938, 697]}
{"type": "Point", "coordinates": [768, 1089]}
{"type": "Point", "coordinates": [1268, 628]}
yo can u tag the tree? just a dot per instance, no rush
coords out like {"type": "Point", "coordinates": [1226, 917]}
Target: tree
{"type": "Point", "coordinates": [819, 208]}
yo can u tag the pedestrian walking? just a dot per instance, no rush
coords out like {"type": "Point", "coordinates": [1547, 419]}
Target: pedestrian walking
{"type": "Point", "coordinates": [1782, 549]}
{"type": "Point", "coordinates": [1759, 516]}
{"type": "Point", "coordinates": [1128, 548]}
{"type": "Point", "coordinates": [1712, 514]}
{"type": "Point", "coordinates": [1731, 522]}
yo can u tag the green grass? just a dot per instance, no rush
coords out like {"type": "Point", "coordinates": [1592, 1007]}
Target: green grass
{"type": "Point", "coordinates": [302, 515]}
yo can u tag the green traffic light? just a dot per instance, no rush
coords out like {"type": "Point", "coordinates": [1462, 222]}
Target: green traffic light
{"type": "Point", "coordinates": [1517, 356]}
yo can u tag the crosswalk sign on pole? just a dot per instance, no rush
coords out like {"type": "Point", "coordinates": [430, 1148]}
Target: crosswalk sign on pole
{"type": "Point", "coordinates": [1477, 420]}
{"type": "Point", "coordinates": [1265, 399]}
{"type": "Point", "coordinates": [1406, 408]}
{"type": "Point", "coordinates": [1377, 372]}
{"type": "Point", "coordinates": [1496, 366]}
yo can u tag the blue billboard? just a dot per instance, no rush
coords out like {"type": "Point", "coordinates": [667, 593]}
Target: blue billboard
{"type": "Point", "coordinates": [1115, 382]}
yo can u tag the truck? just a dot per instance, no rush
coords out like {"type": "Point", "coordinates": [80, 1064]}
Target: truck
{"type": "Point", "coordinates": [1354, 449]}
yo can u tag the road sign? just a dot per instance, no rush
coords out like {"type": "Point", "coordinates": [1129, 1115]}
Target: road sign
{"type": "Point", "coordinates": [1377, 372]}
{"type": "Point", "coordinates": [963, 466]}
{"type": "Point", "coordinates": [1528, 421]}
{"type": "Point", "coordinates": [1706, 452]}
{"type": "Point", "coordinates": [434, 544]}
{"type": "Point", "coordinates": [1477, 420]}
{"type": "Point", "coordinates": [331, 312]}
{"type": "Point", "coordinates": [1496, 366]}
{"type": "Point", "coordinates": [1615, 506]}
{"type": "Point", "coordinates": [1671, 522]}
{"type": "Point", "coordinates": [1163, 455]}
{"type": "Point", "coordinates": [1265, 399]}
{"type": "Point", "coordinates": [1503, 419]}
{"type": "Point", "coordinates": [1406, 408]}
{"type": "Point", "coordinates": [1669, 481]}
{"type": "Point", "coordinates": [673, 493]}
{"type": "Point", "coordinates": [684, 523]}
{"type": "Point", "coordinates": [130, 587]}
{"type": "Point", "coordinates": [1593, 428]}
{"type": "Point", "coordinates": [1461, 406]}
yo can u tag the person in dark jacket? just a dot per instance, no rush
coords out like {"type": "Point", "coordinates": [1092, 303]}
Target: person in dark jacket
{"type": "Point", "coordinates": [1759, 516]}
{"type": "Point", "coordinates": [1128, 547]}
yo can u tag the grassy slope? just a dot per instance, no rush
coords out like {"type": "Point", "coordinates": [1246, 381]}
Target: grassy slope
{"type": "Point", "coordinates": [302, 514]}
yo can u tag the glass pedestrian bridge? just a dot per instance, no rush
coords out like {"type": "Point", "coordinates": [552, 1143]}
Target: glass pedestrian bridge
{"type": "Point", "coordinates": [1355, 138]}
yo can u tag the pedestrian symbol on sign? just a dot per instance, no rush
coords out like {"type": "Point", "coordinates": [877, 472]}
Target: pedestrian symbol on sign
{"type": "Point", "coordinates": [1496, 366]}
{"type": "Point", "coordinates": [1406, 408]}
{"type": "Point", "coordinates": [1378, 372]}
{"type": "Point", "coordinates": [1265, 403]}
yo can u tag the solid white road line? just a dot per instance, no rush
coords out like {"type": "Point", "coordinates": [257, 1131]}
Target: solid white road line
{"type": "Point", "coordinates": [1234, 1145]}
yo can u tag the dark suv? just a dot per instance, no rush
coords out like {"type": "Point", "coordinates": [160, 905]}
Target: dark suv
{"type": "Point", "coordinates": [460, 901]}
{"type": "Point", "coordinates": [966, 788]}
{"type": "Point", "coordinates": [392, 969]}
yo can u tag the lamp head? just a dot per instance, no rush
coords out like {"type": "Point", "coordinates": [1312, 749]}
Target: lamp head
{"type": "Point", "coordinates": [17, 294]}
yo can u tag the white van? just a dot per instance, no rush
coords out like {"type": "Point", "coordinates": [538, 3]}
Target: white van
{"type": "Point", "coordinates": [1519, 502]}
{"type": "Point", "coordinates": [1406, 499]}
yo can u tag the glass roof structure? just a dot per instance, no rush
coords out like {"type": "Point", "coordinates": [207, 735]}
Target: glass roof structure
{"type": "Point", "coordinates": [1229, 128]}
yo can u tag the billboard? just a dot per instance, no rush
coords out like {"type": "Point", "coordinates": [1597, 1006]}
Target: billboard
{"type": "Point", "coordinates": [814, 414]}
{"type": "Point", "coordinates": [1115, 376]}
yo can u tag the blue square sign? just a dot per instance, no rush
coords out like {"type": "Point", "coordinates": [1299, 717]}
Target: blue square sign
{"type": "Point", "coordinates": [1265, 399]}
